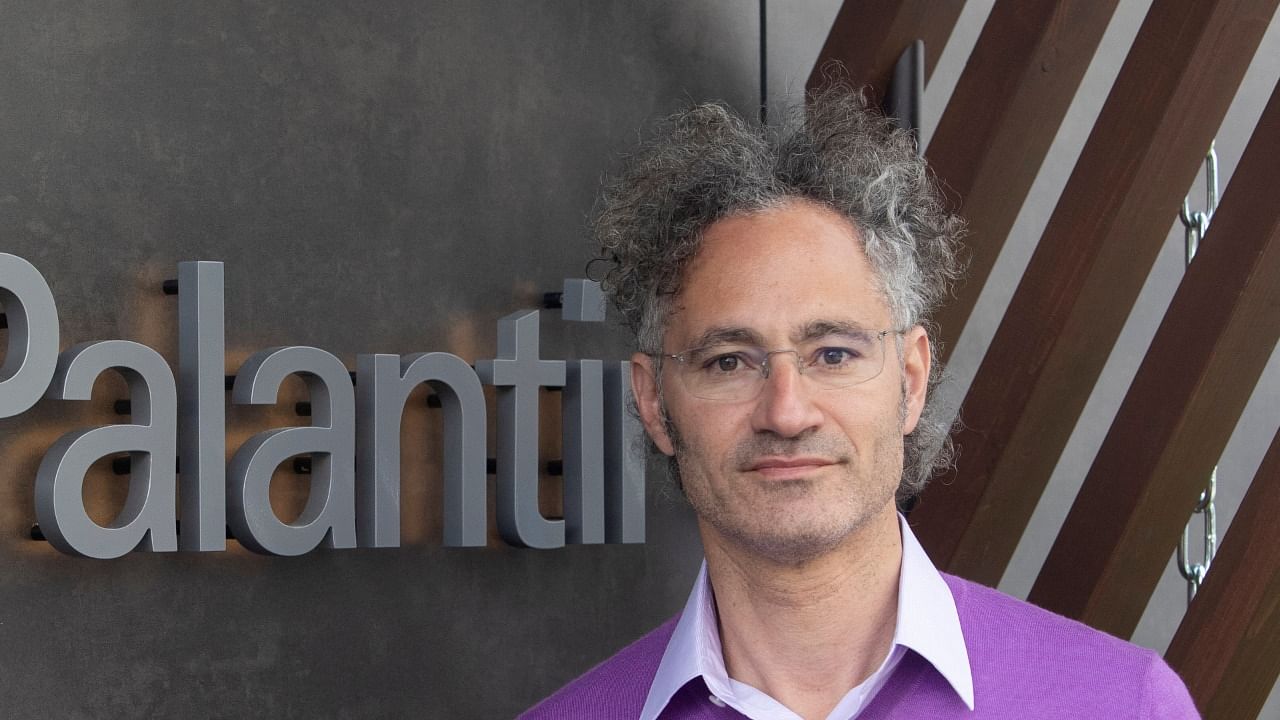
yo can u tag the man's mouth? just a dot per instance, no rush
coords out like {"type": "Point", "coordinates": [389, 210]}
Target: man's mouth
{"type": "Point", "coordinates": [789, 468]}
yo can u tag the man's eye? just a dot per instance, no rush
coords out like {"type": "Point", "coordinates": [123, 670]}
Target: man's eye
{"type": "Point", "coordinates": [730, 363]}
{"type": "Point", "coordinates": [835, 357]}
{"type": "Point", "coordinates": [724, 364]}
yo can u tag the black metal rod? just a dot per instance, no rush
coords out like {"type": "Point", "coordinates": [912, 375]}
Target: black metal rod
{"type": "Point", "coordinates": [123, 465]}
{"type": "Point", "coordinates": [764, 64]}
{"type": "Point", "coordinates": [554, 468]}
{"type": "Point", "coordinates": [904, 98]}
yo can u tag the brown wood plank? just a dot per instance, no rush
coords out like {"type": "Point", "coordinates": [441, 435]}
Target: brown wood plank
{"type": "Point", "coordinates": [1002, 118]}
{"type": "Point", "coordinates": [1178, 414]}
{"type": "Point", "coordinates": [1087, 270]}
{"type": "Point", "coordinates": [1227, 648]}
{"type": "Point", "coordinates": [868, 36]}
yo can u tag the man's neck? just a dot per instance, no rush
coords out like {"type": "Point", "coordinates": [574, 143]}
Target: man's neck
{"type": "Point", "coordinates": [808, 634]}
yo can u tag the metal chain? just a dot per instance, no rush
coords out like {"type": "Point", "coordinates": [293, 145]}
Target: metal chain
{"type": "Point", "coordinates": [1196, 224]}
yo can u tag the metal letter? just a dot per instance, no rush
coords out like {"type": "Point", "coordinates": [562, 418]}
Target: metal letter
{"type": "Point", "coordinates": [384, 383]}
{"type": "Point", "coordinates": [32, 351]}
{"type": "Point", "coordinates": [201, 416]}
{"type": "Point", "coordinates": [518, 373]}
{"type": "Point", "coordinates": [583, 446]}
{"type": "Point", "coordinates": [378, 450]}
{"type": "Point", "coordinates": [147, 518]}
{"type": "Point", "coordinates": [624, 458]}
{"type": "Point", "coordinates": [329, 515]}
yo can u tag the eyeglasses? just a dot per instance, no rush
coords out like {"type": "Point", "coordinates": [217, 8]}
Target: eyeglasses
{"type": "Point", "coordinates": [736, 372]}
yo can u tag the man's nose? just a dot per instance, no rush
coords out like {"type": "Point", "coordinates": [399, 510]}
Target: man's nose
{"type": "Point", "coordinates": [785, 405]}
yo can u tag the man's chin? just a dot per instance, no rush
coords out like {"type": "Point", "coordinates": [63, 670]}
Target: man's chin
{"type": "Point", "coordinates": [794, 529]}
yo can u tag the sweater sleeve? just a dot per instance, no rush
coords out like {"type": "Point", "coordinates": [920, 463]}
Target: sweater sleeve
{"type": "Point", "coordinates": [1164, 695]}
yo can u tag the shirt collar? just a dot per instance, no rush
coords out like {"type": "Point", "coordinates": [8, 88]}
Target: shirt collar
{"type": "Point", "coordinates": [927, 624]}
{"type": "Point", "coordinates": [927, 619]}
{"type": "Point", "coordinates": [687, 652]}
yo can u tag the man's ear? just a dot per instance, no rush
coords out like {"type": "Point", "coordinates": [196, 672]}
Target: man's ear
{"type": "Point", "coordinates": [644, 387]}
{"type": "Point", "coordinates": [916, 359]}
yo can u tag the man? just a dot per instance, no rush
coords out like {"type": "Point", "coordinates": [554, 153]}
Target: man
{"type": "Point", "coordinates": [779, 284]}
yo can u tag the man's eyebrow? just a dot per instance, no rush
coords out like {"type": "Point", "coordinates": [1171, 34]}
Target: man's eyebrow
{"type": "Point", "coordinates": [823, 328]}
{"type": "Point", "coordinates": [722, 334]}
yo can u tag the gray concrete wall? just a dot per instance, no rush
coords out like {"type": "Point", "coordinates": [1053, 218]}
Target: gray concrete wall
{"type": "Point", "coordinates": [393, 177]}
{"type": "Point", "coordinates": [377, 177]}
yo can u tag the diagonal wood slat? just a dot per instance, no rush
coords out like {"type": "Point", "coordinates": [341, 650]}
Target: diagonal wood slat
{"type": "Point", "coordinates": [1002, 117]}
{"type": "Point", "coordinates": [1086, 272]}
{"type": "Point", "coordinates": [1206, 357]}
{"type": "Point", "coordinates": [1226, 648]}
{"type": "Point", "coordinates": [868, 36]}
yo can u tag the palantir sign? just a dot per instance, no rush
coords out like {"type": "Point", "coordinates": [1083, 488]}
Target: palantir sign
{"type": "Point", "coordinates": [354, 438]}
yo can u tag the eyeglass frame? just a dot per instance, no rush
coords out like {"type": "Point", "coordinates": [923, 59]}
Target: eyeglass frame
{"type": "Point", "coordinates": [764, 369]}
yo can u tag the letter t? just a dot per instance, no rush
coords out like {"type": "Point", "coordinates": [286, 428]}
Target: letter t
{"type": "Point", "coordinates": [518, 374]}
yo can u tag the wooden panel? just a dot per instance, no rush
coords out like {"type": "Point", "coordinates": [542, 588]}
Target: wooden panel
{"type": "Point", "coordinates": [1001, 119]}
{"type": "Point", "coordinates": [868, 36]}
{"type": "Point", "coordinates": [1098, 247]}
{"type": "Point", "coordinates": [1226, 648]}
{"type": "Point", "coordinates": [1179, 412]}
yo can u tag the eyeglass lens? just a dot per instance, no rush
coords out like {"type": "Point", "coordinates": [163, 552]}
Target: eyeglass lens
{"type": "Point", "coordinates": [730, 371]}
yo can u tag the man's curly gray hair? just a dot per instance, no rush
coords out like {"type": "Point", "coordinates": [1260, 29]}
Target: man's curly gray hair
{"type": "Point", "coordinates": [706, 163]}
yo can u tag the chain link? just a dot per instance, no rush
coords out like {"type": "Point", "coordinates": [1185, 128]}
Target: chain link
{"type": "Point", "coordinates": [1196, 224]}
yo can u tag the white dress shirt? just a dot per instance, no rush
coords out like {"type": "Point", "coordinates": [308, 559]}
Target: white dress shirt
{"type": "Point", "coordinates": [927, 623]}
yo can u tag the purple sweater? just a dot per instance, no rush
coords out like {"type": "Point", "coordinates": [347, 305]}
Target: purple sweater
{"type": "Point", "coordinates": [1026, 663]}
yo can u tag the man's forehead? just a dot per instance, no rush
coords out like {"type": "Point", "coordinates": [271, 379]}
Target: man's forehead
{"type": "Point", "coordinates": [765, 244]}
{"type": "Point", "coordinates": [784, 274]}
{"type": "Point", "coordinates": [796, 333]}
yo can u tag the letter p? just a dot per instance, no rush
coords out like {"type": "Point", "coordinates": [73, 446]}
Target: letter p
{"type": "Point", "coordinates": [32, 351]}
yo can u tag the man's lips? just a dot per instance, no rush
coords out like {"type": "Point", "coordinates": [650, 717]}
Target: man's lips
{"type": "Point", "coordinates": [788, 468]}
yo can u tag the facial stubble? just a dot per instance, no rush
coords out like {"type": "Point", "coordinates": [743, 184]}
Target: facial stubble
{"type": "Point", "coordinates": [769, 519]}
